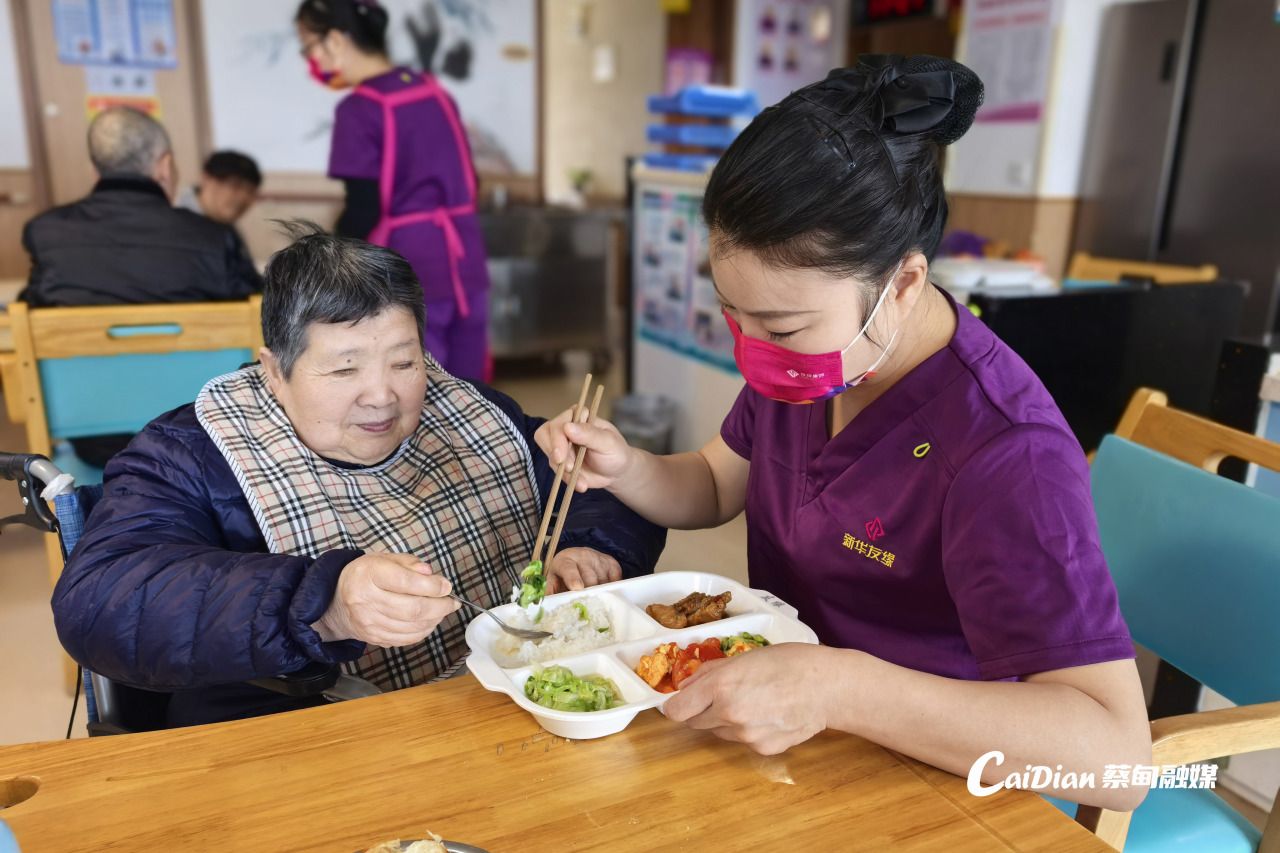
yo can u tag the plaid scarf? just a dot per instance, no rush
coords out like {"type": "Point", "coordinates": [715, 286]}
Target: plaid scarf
{"type": "Point", "coordinates": [459, 493]}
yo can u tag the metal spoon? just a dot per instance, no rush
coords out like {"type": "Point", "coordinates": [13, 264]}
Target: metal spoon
{"type": "Point", "coordinates": [522, 633]}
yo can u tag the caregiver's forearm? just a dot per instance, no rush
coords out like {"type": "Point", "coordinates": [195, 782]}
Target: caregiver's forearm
{"type": "Point", "coordinates": [950, 723]}
{"type": "Point", "coordinates": [677, 491]}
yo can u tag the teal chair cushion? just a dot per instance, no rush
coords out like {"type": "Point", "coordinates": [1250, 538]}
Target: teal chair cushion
{"type": "Point", "coordinates": [105, 395]}
{"type": "Point", "coordinates": [1184, 821]}
{"type": "Point", "coordinates": [101, 395]}
{"type": "Point", "coordinates": [67, 461]}
{"type": "Point", "coordinates": [1193, 556]}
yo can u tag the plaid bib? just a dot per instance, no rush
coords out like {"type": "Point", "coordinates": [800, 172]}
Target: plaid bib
{"type": "Point", "coordinates": [459, 493]}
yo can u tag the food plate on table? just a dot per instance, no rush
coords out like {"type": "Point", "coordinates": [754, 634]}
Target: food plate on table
{"type": "Point", "coordinates": [582, 683]}
{"type": "Point", "coordinates": [406, 845]}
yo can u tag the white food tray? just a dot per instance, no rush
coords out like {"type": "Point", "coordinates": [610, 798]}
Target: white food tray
{"type": "Point", "coordinates": [750, 610]}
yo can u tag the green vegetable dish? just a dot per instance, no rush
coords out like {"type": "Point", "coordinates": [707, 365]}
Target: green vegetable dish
{"type": "Point", "coordinates": [559, 689]}
{"type": "Point", "coordinates": [744, 642]}
{"type": "Point", "coordinates": [533, 585]}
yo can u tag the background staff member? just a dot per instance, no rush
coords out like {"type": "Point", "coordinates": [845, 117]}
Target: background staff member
{"type": "Point", "coordinates": [399, 147]}
{"type": "Point", "coordinates": [929, 512]}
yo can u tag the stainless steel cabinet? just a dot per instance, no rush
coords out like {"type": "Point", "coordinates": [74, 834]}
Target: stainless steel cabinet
{"type": "Point", "coordinates": [552, 275]}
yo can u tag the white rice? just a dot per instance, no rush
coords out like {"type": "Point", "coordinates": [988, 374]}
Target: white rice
{"type": "Point", "coordinates": [570, 633]}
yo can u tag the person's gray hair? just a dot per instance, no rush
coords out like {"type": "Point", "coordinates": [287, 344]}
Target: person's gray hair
{"type": "Point", "coordinates": [123, 141]}
{"type": "Point", "coordinates": [320, 278]}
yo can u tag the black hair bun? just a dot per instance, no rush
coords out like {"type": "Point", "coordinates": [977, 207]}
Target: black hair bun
{"type": "Point", "coordinates": [368, 18]}
{"type": "Point", "coordinates": [377, 15]}
{"type": "Point", "coordinates": [902, 95]}
{"type": "Point", "coordinates": [966, 96]}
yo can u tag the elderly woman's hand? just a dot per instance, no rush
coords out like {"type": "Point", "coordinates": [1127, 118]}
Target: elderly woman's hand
{"type": "Point", "coordinates": [386, 600]}
{"type": "Point", "coordinates": [578, 568]}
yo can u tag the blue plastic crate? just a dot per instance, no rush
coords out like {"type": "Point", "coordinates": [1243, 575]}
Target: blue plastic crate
{"type": "Point", "coordinates": [710, 101]}
{"type": "Point", "coordinates": [681, 162]}
{"type": "Point", "coordinates": [702, 135]}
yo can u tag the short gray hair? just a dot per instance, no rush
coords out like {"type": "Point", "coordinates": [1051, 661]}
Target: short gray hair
{"type": "Point", "coordinates": [123, 141]}
{"type": "Point", "coordinates": [321, 278]}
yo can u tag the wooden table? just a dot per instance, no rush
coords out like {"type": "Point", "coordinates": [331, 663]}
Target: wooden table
{"type": "Point", "coordinates": [472, 766]}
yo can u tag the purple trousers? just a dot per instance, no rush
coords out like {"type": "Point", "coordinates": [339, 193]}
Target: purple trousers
{"type": "Point", "coordinates": [460, 344]}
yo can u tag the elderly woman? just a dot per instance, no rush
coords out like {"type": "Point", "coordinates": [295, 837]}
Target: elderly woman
{"type": "Point", "coordinates": [320, 506]}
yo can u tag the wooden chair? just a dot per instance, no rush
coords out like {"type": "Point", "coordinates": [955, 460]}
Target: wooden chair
{"type": "Point", "coordinates": [1149, 421]}
{"type": "Point", "coordinates": [103, 369]}
{"type": "Point", "coordinates": [9, 368]}
{"type": "Point", "coordinates": [1196, 560]}
{"type": "Point", "coordinates": [1086, 267]}
{"type": "Point", "coordinates": [111, 369]}
{"type": "Point", "coordinates": [12, 387]}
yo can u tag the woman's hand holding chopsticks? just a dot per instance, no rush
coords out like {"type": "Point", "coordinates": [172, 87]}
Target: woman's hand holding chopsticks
{"type": "Point", "coordinates": [607, 458]}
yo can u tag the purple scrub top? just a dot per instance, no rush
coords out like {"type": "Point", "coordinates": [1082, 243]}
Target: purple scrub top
{"type": "Point", "coordinates": [948, 528]}
{"type": "Point", "coordinates": [433, 171]}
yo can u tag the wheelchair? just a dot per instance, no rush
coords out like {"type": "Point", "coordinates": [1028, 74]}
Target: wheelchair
{"type": "Point", "coordinates": [113, 708]}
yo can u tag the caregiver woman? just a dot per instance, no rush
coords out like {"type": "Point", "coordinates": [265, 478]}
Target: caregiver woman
{"type": "Point", "coordinates": [400, 150]}
{"type": "Point", "coordinates": [929, 511]}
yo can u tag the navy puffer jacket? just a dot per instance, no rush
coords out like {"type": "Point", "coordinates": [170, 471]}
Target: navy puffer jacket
{"type": "Point", "coordinates": [171, 586]}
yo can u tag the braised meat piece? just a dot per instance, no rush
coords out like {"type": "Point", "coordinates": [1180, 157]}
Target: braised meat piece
{"type": "Point", "coordinates": [667, 616]}
{"type": "Point", "coordinates": [696, 608]}
{"type": "Point", "coordinates": [709, 608]}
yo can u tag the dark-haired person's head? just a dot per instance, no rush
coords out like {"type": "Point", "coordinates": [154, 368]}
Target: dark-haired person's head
{"type": "Point", "coordinates": [834, 196]}
{"type": "Point", "coordinates": [228, 185]}
{"type": "Point", "coordinates": [338, 35]}
{"type": "Point", "coordinates": [343, 352]}
{"type": "Point", "coordinates": [126, 143]}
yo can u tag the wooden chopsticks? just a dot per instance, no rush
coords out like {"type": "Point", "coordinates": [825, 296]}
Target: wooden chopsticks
{"type": "Point", "coordinates": [581, 415]}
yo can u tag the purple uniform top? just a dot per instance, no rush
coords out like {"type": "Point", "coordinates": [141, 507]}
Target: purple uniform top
{"type": "Point", "coordinates": [432, 172]}
{"type": "Point", "coordinates": [948, 528]}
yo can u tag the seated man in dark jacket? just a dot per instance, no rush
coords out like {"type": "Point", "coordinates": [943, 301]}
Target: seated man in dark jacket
{"type": "Point", "coordinates": [320, 506]}
{"type": "Point", "coordinates": [126, 243]}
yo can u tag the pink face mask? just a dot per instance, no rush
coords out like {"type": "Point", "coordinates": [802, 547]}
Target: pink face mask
{"type": "Point", "coordinates": [325, 78]}
{"type": "Point", "coordinates": [793, 377]}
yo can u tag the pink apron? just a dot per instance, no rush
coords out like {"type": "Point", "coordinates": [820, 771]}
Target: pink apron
{"type": "Point", "coordinates": [441, 217]}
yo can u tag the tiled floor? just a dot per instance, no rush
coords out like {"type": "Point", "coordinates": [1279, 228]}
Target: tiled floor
{"type": "Point", "coordinates": [34, 702]}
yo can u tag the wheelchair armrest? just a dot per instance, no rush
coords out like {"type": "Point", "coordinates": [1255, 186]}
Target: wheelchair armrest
{"type": "Point", "coordinates": [32, 472]}
{"type": "Point", "coordinates": [312, 680]}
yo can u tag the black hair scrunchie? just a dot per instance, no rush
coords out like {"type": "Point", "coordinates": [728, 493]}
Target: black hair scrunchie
{"type": "Point", "coordinates": [889, 93]}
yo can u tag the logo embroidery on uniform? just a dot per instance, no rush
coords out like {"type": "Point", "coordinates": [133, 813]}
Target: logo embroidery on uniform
{"type": "Point", "coordinates": [921, 450]}
{"type": "Point", "coordinates": [868, 550]}
{"type": "Point", "coordinates": [875, 529]}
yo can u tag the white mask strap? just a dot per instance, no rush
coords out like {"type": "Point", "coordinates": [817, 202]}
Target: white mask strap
{"type": "Point", "coordinates": [879, 302]}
